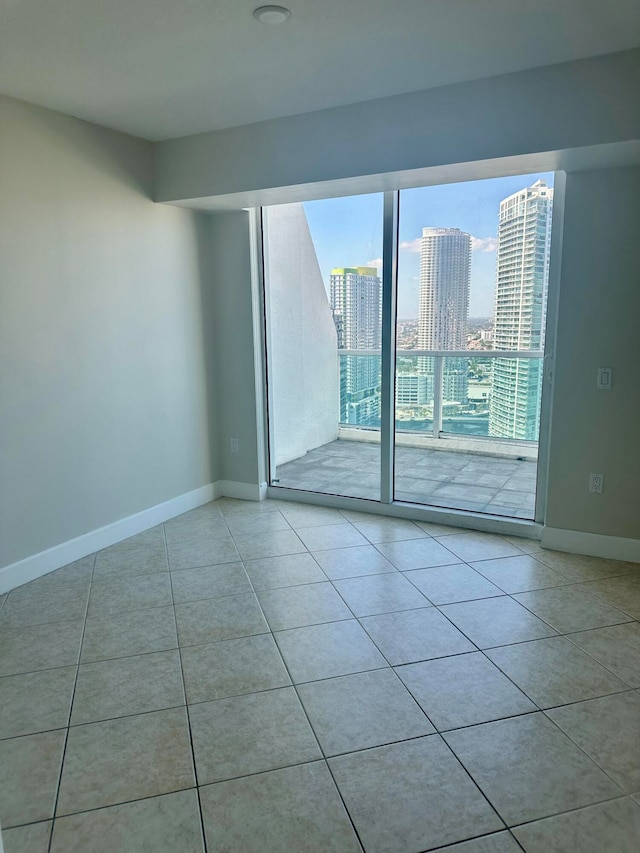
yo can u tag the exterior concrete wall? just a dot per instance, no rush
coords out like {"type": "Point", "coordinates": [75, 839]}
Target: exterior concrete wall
{"type": "Point", "coordinates": [303, 367]}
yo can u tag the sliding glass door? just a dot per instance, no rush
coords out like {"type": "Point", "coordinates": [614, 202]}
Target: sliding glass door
{"type": "Point", "coordinates": [405, 337]}
{"type": "Point", "coordinates": [472, 291]}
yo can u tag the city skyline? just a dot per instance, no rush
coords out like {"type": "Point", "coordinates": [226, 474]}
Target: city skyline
{"type": "Point", "coordinates": [348, 230]}
{"type": "Point", "coordinates": [521, 274]}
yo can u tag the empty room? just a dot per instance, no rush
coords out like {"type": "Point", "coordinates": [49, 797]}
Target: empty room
{"type": "Point", "coordinates": [319, 516]}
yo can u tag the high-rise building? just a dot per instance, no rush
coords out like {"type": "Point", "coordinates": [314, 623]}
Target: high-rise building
{"type": "Point", "coordinates": [356, 302]}
{"type": "Point", "coordinates": [522, 273]}
{"type": "Point", "coordinates": [445, 270]}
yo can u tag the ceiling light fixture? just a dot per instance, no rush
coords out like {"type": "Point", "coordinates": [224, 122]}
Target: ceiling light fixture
{"type": "Point", "coordinates": [271, 14]}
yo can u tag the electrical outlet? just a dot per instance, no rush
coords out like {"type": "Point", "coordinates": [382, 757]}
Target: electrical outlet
{"type": "Point", "coordinates": [605, 375]}
{"type": "Point", "coordinates": [596, 482]}
{"type": "Point", "coordinates": [234, 445]}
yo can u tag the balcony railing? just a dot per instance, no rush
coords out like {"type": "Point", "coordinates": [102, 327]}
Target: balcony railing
{"type": "Point", "coordinates": [515, 410]}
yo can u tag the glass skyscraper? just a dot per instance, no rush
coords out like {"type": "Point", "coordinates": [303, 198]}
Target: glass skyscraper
{"type": "Point", "coordinates": [445, 270]}
{"type": "Point", "coordinates": [522, 273]}
{"type": "Point", "coordinates": [356, 302]}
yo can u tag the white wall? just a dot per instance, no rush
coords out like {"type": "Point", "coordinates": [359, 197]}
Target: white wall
{"type": "Point", "coordinates": [591, 102]}
{"type": "Point", "coordinates": [105, 357]}
{"type": "Point", "coordinates": [598, 326]}
{"type": "Point", "coordinates": [303, 374]}
{"type": "Point", "coordinates": [231, 312]}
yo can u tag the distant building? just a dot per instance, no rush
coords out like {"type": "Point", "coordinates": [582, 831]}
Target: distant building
{"type": "Point", "coordinates": [445, 270]}
{"type": "Point", "coordinates": [479, 392]}
{"type": "Point", "coordinates": [356, 302]}
{"type": "Point", "coordinates": [413, 389]}
{"type": "Point", "coordinates": [522, 273]}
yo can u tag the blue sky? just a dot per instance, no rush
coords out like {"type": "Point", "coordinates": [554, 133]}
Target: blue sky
{"type": "Point", "coordinates": [348, 232]}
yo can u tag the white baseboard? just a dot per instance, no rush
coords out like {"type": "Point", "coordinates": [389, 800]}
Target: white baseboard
{"type": "Point", "coordinates": [60, 555]}
{"type": "Point", "coordinates": [242, 491]}
{"type": "Point", "coordinates": [592, 544]}
{"type": "Point", "coordinates": [30, 568]}
{"type": "Point", "coordinates": [40, 564]}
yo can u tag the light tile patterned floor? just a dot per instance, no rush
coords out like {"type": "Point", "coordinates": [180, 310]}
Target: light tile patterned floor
{"type": "Point", "coordinates": [444, 478]}
{"type": "Point", "coordinates": [281, 677]}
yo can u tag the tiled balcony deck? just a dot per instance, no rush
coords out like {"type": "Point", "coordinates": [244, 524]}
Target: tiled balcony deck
{"type": "Point", "coordinates": [444, 478]}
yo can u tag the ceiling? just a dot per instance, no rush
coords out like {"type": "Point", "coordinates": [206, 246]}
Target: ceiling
{"type": "Point", "coordinates": [165, 68]}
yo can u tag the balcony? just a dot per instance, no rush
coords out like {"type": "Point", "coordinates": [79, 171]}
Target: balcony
{"type": "Point", "coordinates": [444, 454]}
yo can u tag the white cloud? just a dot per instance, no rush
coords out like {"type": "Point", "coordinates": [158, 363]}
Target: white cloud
{"type": "Point", "coordinates": [412, 245]}
{"type": "Point", "coordinates": [478, 244]}
{"type": "Point", "coordinates": [484, 244]}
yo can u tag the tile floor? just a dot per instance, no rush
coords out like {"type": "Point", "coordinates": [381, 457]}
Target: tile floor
{"type": "Point", "coordinates": [444, 478]}
{"type": "Point", "coordinates": [281, 677]}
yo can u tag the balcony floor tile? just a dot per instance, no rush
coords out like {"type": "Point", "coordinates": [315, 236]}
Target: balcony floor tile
{"type": "Point", "coordinates": [443, 478]}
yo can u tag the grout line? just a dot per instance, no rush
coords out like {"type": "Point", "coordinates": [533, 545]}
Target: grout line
{"type": "Point", "coordinates": [621, 795]}
{"type": "Point", "coordinates": [483, 652]}
{"type": "Point", "coordinates": [186, 707]}
{"type": "Point", "coordinates": [428, 605]}
{"type": "Point", "coordinates": [438, 730]}
{"type": "Point", "coordinates": [498, 593]}
{"type": "Point", "coordinates": [514, 839]}
{"type": "Point", "coordinates": [237, 559]}
{"type": "Point", "coordinates": [582, 749]}
{"type": "Point", "coordinates": [341, 675]}
{"type": "Point", "coordinates": [617, 796]}
{"type": "Point", "coordinates": [304, 710]}
{"type": "Point", "coordinates": [42, 625]}
{"type": "Point", "coordinates": [508, 828]}
{"type": "Point", "coordinates": [73, 694]}
{"type": "Point", "coordinates": [571, 811]}
{"type": "Point", "coordinates": [107, 719]}
{"type": "Point", "coordinates": [313, 731]}
{"type": "Point", "coordinates": [475, 783]}
{"type": "Point", "coordinates": [390, 664]}
{"type": "Point", "coordinates": [536, 703]}
{"type": "Point", "coordinates": [319, 760]}
{"type": "Point", "coordinates": [450, 845]}
{"type": "Point", "coordinates": [99, 808]}
{"type": "Point", "coordinates": [586, 652]}
{"type": "Point", "coordinates": [609, 625]}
